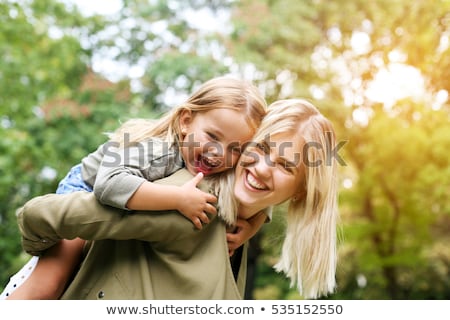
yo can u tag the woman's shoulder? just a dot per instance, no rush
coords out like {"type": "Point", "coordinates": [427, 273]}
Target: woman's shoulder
{"type": "Point", "coordinates": [179, 177]}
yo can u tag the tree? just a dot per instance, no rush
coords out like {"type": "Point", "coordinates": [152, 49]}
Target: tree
{"type": "Point", "coordinates": [332, 53]}
{"type": "Point", "coordinates": [43, 59]}
{"type": "Point", "coordinates": [165, 43]}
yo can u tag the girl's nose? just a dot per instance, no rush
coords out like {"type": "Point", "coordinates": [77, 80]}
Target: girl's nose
{"type": "Point", "coordinates": [213, 149]}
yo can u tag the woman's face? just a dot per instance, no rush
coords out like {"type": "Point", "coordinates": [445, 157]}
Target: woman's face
{"type": "Point", "coordinates": [270, 173]}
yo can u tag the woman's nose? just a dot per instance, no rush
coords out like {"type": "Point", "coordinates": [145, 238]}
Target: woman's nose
{"type": "Point", "coordinates": [263, 166]}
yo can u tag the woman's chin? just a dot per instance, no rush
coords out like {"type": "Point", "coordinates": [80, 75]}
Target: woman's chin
{"type": "Point", "coordinates": [245, 198]}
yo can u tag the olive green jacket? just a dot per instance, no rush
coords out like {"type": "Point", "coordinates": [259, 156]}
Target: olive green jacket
{"type": "Point", "coordinates": [154, 255]}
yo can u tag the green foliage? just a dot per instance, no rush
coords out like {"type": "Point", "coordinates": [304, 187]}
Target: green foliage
{"type": "Point", "coordinates": [35, 66]}
{"type": "Point", "coordinates": [43, 129]}
{"type": "Point", "coordinates": [34, 160]}
{"type": "Point", "coordinates": [185, 71]}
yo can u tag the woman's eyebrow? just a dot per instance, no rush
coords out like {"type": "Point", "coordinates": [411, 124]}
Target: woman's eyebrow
{"type": "Point", "coordinates": [288, 163]}
{"type": "Point", "coordinates": [265, 145]}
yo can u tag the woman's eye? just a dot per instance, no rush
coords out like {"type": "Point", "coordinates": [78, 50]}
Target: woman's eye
{"type": "Point", "coordinates": [286, 167]}
{"type": "Point", "coordinates": [263, 147]}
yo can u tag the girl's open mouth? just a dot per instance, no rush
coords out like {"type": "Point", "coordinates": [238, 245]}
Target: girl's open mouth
{"type": "Point", "coordinates": [207, 165]}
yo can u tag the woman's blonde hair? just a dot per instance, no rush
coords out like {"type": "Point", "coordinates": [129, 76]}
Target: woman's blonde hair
{"type": "Point", "coordinates": [220, 92]}
{"type": "Point", "coordinates": [309, 253]}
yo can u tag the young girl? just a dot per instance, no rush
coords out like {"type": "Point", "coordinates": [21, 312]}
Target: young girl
{"type": "Point", "coordinates": [290, 160]}
{"type": "Point", "coordinates": [204, 135]}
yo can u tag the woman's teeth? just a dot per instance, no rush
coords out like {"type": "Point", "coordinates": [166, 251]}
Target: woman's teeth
{"type": "Point", "coordinates": [254, 183]}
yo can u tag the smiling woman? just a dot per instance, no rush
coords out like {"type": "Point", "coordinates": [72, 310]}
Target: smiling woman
{"type": "Point", "coordinates": [290, 161]}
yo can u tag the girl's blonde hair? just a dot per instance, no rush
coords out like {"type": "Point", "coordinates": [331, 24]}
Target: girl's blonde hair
{"type": "Point", "coordinates": [309, 253]}
{"type": "Point", "coordinates": [220, 92]}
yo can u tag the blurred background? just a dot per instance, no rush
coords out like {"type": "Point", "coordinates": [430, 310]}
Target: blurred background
{"type": "Point", "coordinates": [380, 70]}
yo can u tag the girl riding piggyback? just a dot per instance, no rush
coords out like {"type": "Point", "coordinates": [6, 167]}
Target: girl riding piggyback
{"type": "Point", "coordinates": [205, 135]}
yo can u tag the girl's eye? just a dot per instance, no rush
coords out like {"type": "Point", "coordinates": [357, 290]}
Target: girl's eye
{"type": "Point", "coordinates": [213, 136]}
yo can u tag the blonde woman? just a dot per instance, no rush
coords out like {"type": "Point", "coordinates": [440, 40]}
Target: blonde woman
{"type": "Point", "coordinates": [159, 256]}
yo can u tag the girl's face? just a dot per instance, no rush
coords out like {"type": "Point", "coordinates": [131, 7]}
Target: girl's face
{"type": "Point", "coordinates": [270, 173]}
{"type": "Point", "coordinates": [212, 140]}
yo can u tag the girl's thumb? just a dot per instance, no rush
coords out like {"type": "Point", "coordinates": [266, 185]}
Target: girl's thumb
{"type": "Point", "coordinates": [198, 178]}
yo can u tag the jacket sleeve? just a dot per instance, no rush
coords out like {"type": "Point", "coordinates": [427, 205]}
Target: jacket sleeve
{"type": "Point", "coordinates": [45, 220]}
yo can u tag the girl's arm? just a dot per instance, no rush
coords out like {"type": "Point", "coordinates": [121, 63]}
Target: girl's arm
{"type": "Point", "coordinates": [52, 272]}
{"type": "Point", "coordinates": [193, 203]}
{"type": "Point", "coordinates": [124, 180]}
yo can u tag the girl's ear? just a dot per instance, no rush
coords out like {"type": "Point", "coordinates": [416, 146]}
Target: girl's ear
{"type": "Point", "coordinates": [185, 120]}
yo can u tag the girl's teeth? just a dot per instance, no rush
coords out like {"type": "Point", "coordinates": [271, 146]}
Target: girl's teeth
{"type": "Point", "coordinates": [211, 162]}
{"type": "Point", "coordinates": [253, 183]}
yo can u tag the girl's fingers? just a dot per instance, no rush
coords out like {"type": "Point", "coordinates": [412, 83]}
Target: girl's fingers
{"type": "Point", "coordinates": [210, 209]}
{"type": "Point", "coordinates": [210, 198]}
{"type": "Point", "coordinates": [204, 218]}
{"type": "Point", "coordinates": [197, 223]}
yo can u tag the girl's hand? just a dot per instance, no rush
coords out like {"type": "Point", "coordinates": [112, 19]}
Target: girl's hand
{"type": "Point", "coordinates": [244, 230]}
{"type": "Point", "coordinates": [196, 204]}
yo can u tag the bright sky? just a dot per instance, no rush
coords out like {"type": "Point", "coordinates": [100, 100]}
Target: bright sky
{"type": "Point", "coordinates": [396, 82]}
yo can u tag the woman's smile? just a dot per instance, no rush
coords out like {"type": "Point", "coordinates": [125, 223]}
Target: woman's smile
{"type": "Point", "coordinates": [254, 183]}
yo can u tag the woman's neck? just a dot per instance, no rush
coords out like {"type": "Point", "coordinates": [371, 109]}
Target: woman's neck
{"type": "Point", "coordinates": [246, 212]}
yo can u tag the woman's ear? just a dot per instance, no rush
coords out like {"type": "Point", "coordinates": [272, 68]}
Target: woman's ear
{"type": "Point", "coordinates": [185, 121]}
{"type": "Point", "coordinates": [299, 195]}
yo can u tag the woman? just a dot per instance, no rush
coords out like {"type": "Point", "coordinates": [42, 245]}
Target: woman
{"type": "Point", "coordinates": [168, 259]}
